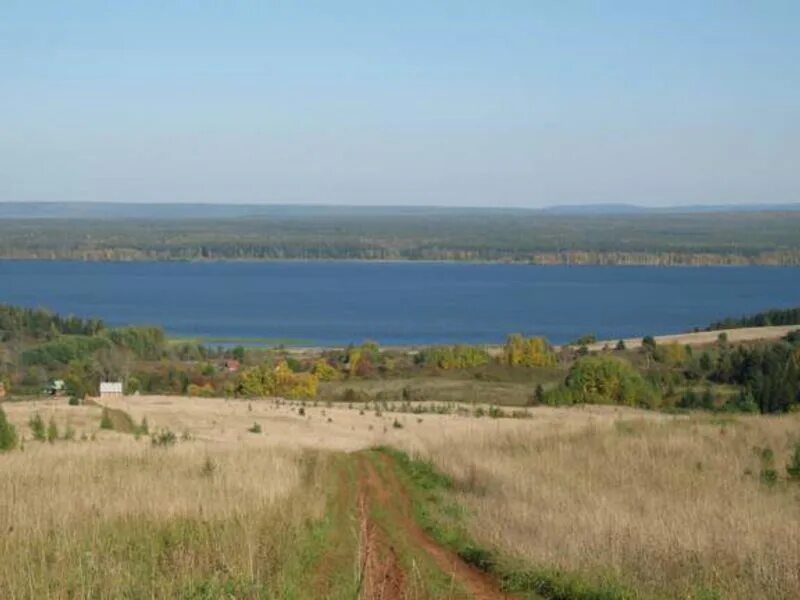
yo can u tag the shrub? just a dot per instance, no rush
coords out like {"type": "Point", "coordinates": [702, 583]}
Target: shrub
{"type": "Point", "coordinates": [69, 434]}
{"type": "Point", "coordinates": [453, 357]}
{"type": "Point", "coordinates": [495, 412]}
{"type": "Point", "coordinates": [584, 340]}
{"type": "Point", "coordinates": [74, 401]}
{"type": "Point", "coordinates": [793, 466]}
{"type": "Point", "coordinates": [209, 467]}
{"type": "Point", "coordinates": [301, 411]}
{"type": "Point", "coordinates": [608, 380]}
{"type": "Point", "coordinates": [8, 433]}
{"type": "Point", "coordinates": [620, 345]}
{"type": "Point", "coordinates": [52, 431]}
{"type": "Point", "coordinates": [144, 428]}
{"type": "Point", "coordinates": [672, 354]}
{"type": "Point", "coordinates": [105, 420]}
{"type": "Point", "coordinates": [649, 344]}
{"type": "Point", "coordinates": [163, 439]}
{"type": "Point", "coordinates": [397, 424]}
{"type": "Point", "coordinates": [37, 427]}
{"type": "Point", "coordinates": [324, 371]}
{"type": "Point", "coordinates": [768, 473]}
{"type": "Point", "coordinates": [538, 396]}
{"type": "Point", "coordinates": [265, 380]}
{"type": "Point", "coordinates": [256, 428]}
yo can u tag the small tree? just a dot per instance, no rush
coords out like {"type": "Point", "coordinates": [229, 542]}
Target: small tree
{"type": "Point", "coordinates": [538, 394]}
{"type": "Point", "coordinates": [8, 433]}
{"type": "Point", "coordinates": [621, 345]}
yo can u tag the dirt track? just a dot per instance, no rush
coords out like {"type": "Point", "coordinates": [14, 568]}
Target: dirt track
{"type": "Point", "coordinates": [384, 576]}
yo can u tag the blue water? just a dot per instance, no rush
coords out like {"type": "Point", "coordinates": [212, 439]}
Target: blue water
{"type": "Point", "coordinates": [332, 303]}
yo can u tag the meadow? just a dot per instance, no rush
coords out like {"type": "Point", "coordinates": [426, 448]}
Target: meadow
{"type": "Point", "coordinates": [636, 502]}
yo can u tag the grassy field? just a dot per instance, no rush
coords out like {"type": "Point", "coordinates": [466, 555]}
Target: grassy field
{"type": "Point", "coordinates": [110, 517]}
{"type": "Point", "coordinates": [665, 507]}
{"type": "Point", "coordinates": [638, 503]}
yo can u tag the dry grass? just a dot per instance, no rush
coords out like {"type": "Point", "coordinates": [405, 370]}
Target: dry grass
{"type": "Point", "coordinates": [671, 507]}
{"type": "Point", "coordinates": [116, 517]}
{"type": "Point", "coordinates": [663, 504]}
{"type": "Point", "coordinates": [701, 338]}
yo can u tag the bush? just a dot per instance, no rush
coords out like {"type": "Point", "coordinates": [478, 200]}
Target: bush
{"type": "Point", "coordinates": [74, 401]}
{"type": "Point", "coordinates": [793, 466]}
{"type": "Point", "coordinates": [37, 427]}
{"type": "Point", "coordinates": [584, 340]}
{"type": "Point", "coordinates": [105, 420]}
{"type": "Point", "coordinates": [608, 380]}
{"type": "Point", "coordinates": [8, 433]}
{"type": "Point", "coordinates": [163, 439]}
{"type": "Point", "coordinates": [768, 473]}
{"type": "Point", "coordinates": [52, 431]}
{"type": "Point", "coordinates": [256, 428]}
{"type": "Point", "coordinates": [495, 412]}
{"type": "Point", "coordinates": [397, 424]}
{"type": "Point", "coordinates": [744, 402]}
{"type": "Point", "coordinates": [459, 356]}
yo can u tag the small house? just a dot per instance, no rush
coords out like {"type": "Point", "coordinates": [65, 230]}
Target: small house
{"type": "Point", "coordinates": [110, 389]}
{"type": "Point", "coordinates": [56, 387]}
{"type": "Point", "coordinates": [232, 365]}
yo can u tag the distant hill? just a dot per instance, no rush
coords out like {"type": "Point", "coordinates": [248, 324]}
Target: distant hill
{"type": "Point", "coordinates": [108, 210]}
{"type": "Point", "coordinates": [605, 235]}
{"type": "Point", "coordinates": [633, 209]}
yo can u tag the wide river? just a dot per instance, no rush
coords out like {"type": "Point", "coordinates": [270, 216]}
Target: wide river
{"type": "Point", "coordinates": [334, 303]}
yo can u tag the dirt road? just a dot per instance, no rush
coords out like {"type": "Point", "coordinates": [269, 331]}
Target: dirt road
{"type": "Point", "coordinates": [396, 552]}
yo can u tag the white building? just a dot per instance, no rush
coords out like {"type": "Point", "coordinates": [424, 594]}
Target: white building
{"type": "Point", "coordinates": [110, 389]}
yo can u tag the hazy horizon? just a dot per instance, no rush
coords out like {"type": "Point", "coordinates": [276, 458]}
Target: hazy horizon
{"type": "Point", "coordinates": [354, 104]}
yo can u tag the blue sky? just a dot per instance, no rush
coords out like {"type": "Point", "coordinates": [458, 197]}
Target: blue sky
{"type": "Point", "coordinates": [444, 103]}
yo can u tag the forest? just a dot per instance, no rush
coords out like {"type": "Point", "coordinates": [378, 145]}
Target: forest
{"type": "Point", "coordinates": [786, 316]}
{"type": "Point", "coordinates": [668, 238]}
{"type": "Point", "coordinates": [39, 346]}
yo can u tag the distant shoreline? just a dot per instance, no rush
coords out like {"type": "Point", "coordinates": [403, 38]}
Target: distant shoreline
{"type": "Point", "coordinates": [671, 261]}
{"type": "Point", "coordinates": [692, 338]}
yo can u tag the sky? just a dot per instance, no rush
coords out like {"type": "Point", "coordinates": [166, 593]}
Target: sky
{"type": "Point", "coordinates": [449, 103]}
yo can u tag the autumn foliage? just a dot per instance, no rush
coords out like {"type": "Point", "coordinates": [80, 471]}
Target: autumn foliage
{"type": "Point", "coordinates": [520, 351]}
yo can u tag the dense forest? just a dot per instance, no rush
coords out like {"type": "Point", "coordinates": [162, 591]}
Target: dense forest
{"type": "Point", "coordinates": [787, 316]}
{"type": "Point", "coordinates": [725, 238]}
{"type": "Point", "coordinates": [38, 347]}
